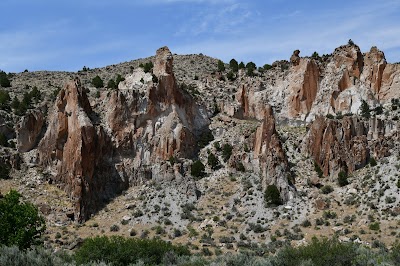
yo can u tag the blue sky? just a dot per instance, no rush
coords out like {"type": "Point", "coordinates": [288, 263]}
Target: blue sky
{"type": "Point", "coordinates": [67, 35]}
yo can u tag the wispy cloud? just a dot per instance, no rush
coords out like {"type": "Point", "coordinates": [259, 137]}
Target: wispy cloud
{"type": "Point", "coordinates": [228, 19]}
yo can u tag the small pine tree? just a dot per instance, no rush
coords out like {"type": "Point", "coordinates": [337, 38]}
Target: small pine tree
{"type": "Point", "coordinates": [250, 68]}
{"type": "Point", "coordinates": [342, 179]}
{"type": "Point", "coordinates": [212, 161]}
{"type": "Point", "coordinates": [231, 76]}
{"type": "Point", "coordinates": [241, 65]}
{"type": "Point", "coordinates": [118, 80]}
{"type": "Point", "coordinates": [4, 81]}
{"type": "Point", "coordinates": [267, 67]}
{"type": "Point", "coordinates": [226, 151]}
{"type": "Point", "coordinates": [97, 82]}
{"type": "Point", "coordinates": [148, 67]}
{"type": "Point", "coordinates": [272, 196]}
{"type": "Point", "coordinates": [364, 109]}
{"type": "Point", "coordinates": [111, 84]}
{"type": "Point", "coordinates": [315, 55]}
{"type": "Point", "coordinates": [221, 66]}
{"type": "Point", "coordinates": [198, 169]}
{"type": "Point", "coordinates": [233, 64]}
{"type": "Point", "coordinates": [4, 99]}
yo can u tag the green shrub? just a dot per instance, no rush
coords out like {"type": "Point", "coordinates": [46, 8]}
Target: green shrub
{"type": "Point", "coordinates": [213, 161]}
{"type": "Point", "coordinates": [198, 169]}
{"type": "Point", "coordinates": [4, 100]}
{"type": "Point", "coordinates": [226, 151]}
{"type": "Point", "coordinates": [119, 79]}
{"type": "Point", "coordinates": [205, 138]}
{"type": "Point", "coordinates": [364, 110]}
{"type": "Point", "coordinates": [97, 82]}
{"type": "Point", "coordinates": [240, 167]}
{"type": "Point", "coordinates": [230, 76]}
{"type": "Point", "coordinates": [318, 169]}
{"type": "Point", "coordinates": [374, 226]}
{"type": "Point", "coordinates": [306, 223]}
{"type": "Point", "coordinates": [326, 189]}
{"type": "Point", "coordinates": [330, 116]}
{"type": "Point", "coordinates": [20, 223]}
{"type": "Point", "coordinates": [36, 256]}
{"type": "Point", "coordinates": [329, 215]}
{"type": "Point", "coordinates": [272, 196]}
{"type": "Point", "coordinates": [233, 64]}
{"type": "Point", "coordinates": [147, 67]}
{"type": "Point", "coordinates": [318, 252]}
{"type": "Point", "coordinates": [372, 161]}
{"type": "Point", "coordinates": [111, 84]}
{"type": "Point", "coordinates": [4, 81]}
{"type": "Point", "coordinates": [342, 179]}
{"type": "Point", "coordinates": [221, 66]}
{"type": "Point", "coordinates": [122, 251]}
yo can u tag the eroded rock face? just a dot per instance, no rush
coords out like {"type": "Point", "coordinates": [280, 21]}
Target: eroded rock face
{"type": "Point", "coordinates": [345, 144]}
{"type": "Point", "coordinates": [374, 65]}
{"type": "Point", "coordinates": [158, 114]}
{"type": "Point", "coordinates": [146, 122]}
{"type": "Point", "coordinates": [303, 87]}
{"type": "Point", "coordinates": [273, 164]}
{"type": "Point", "coordinates": [28, 130]}
{"type": "Point", "coordinates": [79, 151]}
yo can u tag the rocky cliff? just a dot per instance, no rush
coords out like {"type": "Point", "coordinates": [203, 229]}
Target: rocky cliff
{"type": "Point", "coordinates": [79, 151]}
{"type": "Point", "coordinates": [135, 147]}
{"type": "Point", "coordinates": [147, 121]}
{"type": "Point", "coordinates": [347, 144]}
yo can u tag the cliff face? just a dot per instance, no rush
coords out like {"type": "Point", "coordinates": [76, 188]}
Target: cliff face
{"type": "Point", "coordinates": [145, 125]}
{"type": "Point", "coordinates": [79, 151]}
{"type": "Point", "coordinates": [28, 130]}
{"type": "Point", "coordinates": [346, 144]}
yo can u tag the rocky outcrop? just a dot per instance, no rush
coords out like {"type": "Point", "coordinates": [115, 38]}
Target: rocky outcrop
{"type": "Point", "coordinates": [268, 151]}
{"type": "Point", "coordinates": [340, 89]}
{"type": "Point", "coordinates": [338, 144]}
{"type": "Point", "coordinates": [29, 130]}
{"type": "Point", "coordinates": [345, 144]}
{"type": "Point", "coordinates": [303, 87]}
{"type": "Point", "coordinates": [390, 86]}
{"type": "Point", "coordinates": [295, 58]}
{"type": "Point", "coordinates": [155, 120]}
{"type": "Point", "coordinates": [374, 65]}
{"type": "Point", "coordinates": [80, 152]}
{"type": "Point", "coordinates": [147, 121]}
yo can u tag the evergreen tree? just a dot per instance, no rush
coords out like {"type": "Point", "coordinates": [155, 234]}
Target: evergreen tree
{"type": "Point", "coordinates": [365, 111]}
{"type": "Point", "coordinates": [4, 81]}
{"type": "Point", "coordinates": [272, 196]}
{"type": "Point", "coordinates": [233, 64]}
{"type": "Point", "coordinates": [221, 66]}
{"type": "Point", "coordinates": [97, 82]}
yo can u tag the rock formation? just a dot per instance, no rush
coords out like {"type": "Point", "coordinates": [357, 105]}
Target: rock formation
{"type": "Point", "coordinates": [80, 152]}
{"type": "Point", "coordinates": [148, 123]}
{"type": "Point", "coordinates": [345, 144]}
{"type": "Point", "coordinates": [28, 130]}
{"type": "Point", "coordinates": [295, 58]}
{"type": "Point", "coordinates": [268, 151]}
{"type": "Point", "coordinates": [303, 87]}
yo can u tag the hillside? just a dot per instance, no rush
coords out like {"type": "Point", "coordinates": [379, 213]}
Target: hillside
{"type": "Point", "coordinates": [303, 147]}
